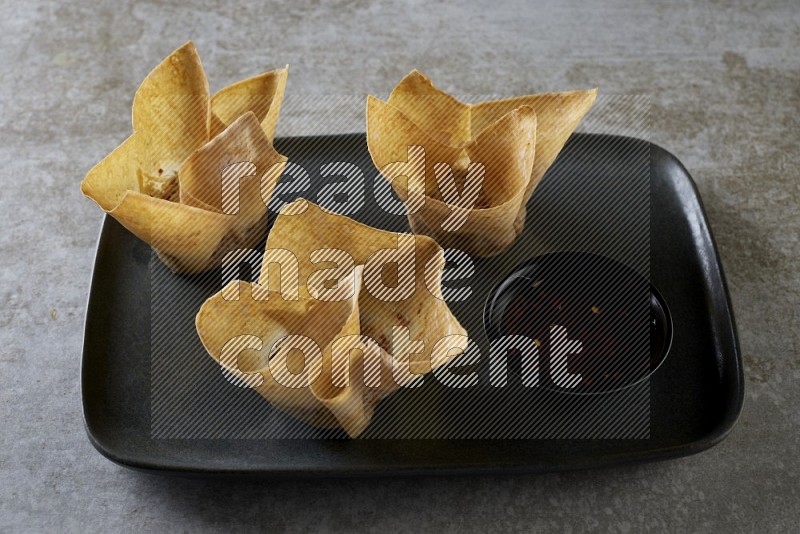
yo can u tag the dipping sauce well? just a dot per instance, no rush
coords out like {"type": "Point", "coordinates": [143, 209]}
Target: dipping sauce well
{"type": "Point", "coordinates": [619, 319]}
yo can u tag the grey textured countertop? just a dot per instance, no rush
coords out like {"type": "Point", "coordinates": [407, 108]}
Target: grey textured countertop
{"type": "Point", "coordinates": [724, 83]}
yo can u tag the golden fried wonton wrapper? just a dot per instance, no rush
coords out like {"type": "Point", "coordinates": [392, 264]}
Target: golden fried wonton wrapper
{"type": "Point", "coordinates": [173, 203]}
{"type": "Point", "coordinates": [344, 309]}
{"type": "Point", "coordinates": [515, 140]}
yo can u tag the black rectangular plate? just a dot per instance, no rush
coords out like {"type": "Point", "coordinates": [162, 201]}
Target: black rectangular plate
{"type": "Point", "coordinates": [695, 396]}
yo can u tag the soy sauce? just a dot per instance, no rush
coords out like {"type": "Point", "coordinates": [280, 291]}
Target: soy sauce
{"type": "Point", "coordinates": [615, 314]}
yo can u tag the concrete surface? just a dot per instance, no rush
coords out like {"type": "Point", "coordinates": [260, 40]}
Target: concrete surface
{"type": "Point", "coordinates": [724, 78]}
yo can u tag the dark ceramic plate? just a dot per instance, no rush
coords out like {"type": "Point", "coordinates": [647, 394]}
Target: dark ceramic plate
{"type": "Point", "coordinates": [583, 204]}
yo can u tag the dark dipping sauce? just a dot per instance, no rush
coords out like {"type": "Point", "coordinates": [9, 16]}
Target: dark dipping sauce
{"type": "Point", "coordinates": [619, 318]}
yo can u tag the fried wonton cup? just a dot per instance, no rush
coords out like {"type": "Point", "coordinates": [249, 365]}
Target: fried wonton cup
{"type": "Point", "coordinates": [370, 338]}
{"type": "Point", "coordinates": [513, 141]}
{"type": "Point", "coordinates": [165, 182]}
